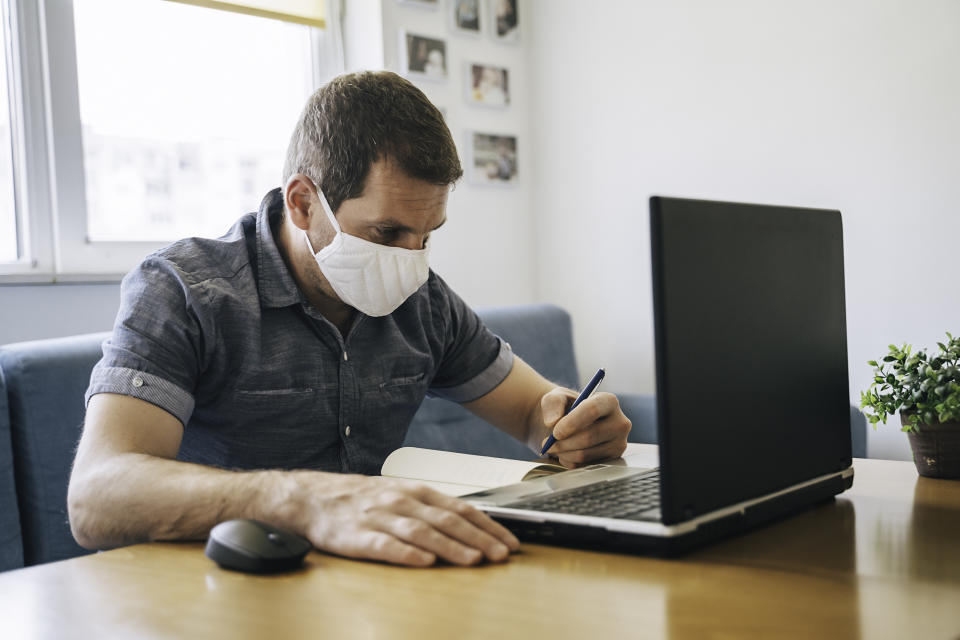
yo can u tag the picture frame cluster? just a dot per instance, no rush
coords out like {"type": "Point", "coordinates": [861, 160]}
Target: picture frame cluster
{"type": "Point", "coordinates": [491, 156]}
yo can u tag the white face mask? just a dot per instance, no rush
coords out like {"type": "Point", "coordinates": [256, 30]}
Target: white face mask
{"type": "Point", "coordinates": [372, 278]}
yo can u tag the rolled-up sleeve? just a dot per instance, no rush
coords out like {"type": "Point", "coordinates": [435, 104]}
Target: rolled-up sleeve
{"type": "Point", "coordinates": [475, 360]}
{"type": "Point", "coordinates": [155, 351]}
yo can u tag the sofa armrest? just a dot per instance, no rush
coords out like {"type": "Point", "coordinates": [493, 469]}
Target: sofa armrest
{"type": "Point", "coordinates": [642, 411]}
{"type": "Point", "coordinates": [46, 380]}
{"type": "Point", "coordinates": [858, 432]}
{"type": "Point", "coordinates": [11, 538]}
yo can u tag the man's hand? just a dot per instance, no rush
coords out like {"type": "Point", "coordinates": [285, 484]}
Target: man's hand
{"type": "Point", "coordinates": [387, 520]}
{"type": "Point", "coordinates": [595, 430]}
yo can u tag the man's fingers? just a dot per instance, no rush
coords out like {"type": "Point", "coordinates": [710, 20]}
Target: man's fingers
{"type": "Point", "coordinates": [385, 547]}
{"type": "Point", "coordinates": [554, 404]}
{"type": "Point", "coordinates": [425, 536]}
{"type": "Point", "coordinates": [452, 529]}
{"type": "Point", "coordinates": [587, 412]}
{"type": "Point", "coordinates": [580, 457]}
{"type": "Point", "coordinates": [463, 530]}
{"type": "Point", "coordinates": [470, 514]}
{"type": "Point", "coordinates": [599, 433]}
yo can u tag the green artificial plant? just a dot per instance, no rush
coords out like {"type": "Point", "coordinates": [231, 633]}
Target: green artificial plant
{"type": "Point", "coordinates": [925, 389]}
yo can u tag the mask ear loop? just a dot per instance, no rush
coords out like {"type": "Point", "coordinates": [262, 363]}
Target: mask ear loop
{"type": "Point", "coordinates": [337, 239]}
{"type": "Point", "coordinates": [328, 210]}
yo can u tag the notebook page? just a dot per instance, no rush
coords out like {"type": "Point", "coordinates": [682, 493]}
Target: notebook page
{"type": "Point", "coordinates": [473, 472]}
{"type": "Point", "coordinates": [449, 488]}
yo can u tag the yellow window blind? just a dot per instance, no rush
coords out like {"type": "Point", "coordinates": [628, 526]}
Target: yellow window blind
{"type": "Point", "coordinates": [308, 12]}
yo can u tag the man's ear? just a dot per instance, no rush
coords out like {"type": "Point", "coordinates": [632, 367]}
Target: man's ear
{"type": "Point", "coordinates": [298, 194]}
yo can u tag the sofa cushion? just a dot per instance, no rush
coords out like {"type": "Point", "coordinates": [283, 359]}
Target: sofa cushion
{"type": "Point", "coordinates": [542, 335]}
{"type": "Point", "coordinates": [45, 381]}
{"type": "Point", "coordinates": [11, 546]}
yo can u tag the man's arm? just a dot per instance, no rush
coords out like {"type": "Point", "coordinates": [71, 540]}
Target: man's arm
{"type": "Point", "coordinates": [528, 407]}
{"type": "Point", "coordinates": [127, 487]}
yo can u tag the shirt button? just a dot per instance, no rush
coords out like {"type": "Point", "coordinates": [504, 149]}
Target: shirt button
{"type": "Point", "coordinates": [346, 431]}
{"type": "Point", "coordinates": [137, 381]}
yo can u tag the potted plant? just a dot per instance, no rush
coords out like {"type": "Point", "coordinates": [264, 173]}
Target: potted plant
{"type": "Point", "coordinates": [926, 391]}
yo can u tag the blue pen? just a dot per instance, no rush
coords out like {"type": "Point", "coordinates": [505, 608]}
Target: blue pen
{"type": "Point", "coordinates": [587, 390]}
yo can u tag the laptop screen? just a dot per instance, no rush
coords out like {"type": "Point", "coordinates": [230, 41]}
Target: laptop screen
{"type": "Point", "coordinates": [751, 350]}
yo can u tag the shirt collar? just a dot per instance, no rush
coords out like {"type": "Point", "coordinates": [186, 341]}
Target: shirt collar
{"type": "Point", "coordinates": [277, 287]}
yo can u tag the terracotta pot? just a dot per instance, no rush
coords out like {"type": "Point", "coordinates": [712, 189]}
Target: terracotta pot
{"type": "Point", "coordinates": [936, 448]}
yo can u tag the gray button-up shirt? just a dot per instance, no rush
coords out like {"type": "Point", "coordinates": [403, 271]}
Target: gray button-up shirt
{"type": "Point", "coordinates": [217, 333]}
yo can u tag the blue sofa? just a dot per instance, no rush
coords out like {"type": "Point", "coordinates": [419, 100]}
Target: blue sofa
{"type": "Point", "coordinates": [41, 414]}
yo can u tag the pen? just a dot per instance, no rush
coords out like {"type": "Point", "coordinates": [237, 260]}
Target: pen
{"type": "Point", "coordinates": [587, 390]}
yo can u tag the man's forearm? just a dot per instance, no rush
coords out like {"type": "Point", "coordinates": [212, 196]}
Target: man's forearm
{"type": "Point", "coordinates": [514, 405]}
{"type": "Point", "coordinates": [135, 497]}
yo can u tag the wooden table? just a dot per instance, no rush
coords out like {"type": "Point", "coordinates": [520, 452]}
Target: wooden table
{"type": "Point", "coordinates": [883, 561]}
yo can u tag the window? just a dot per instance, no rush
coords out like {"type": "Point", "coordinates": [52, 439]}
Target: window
{"type": "Point", "coordinates": [187, 129]}
{"type": "Point", "coordinates": [145, 121]}
{"type": "Point", "coordinates": [8, 211]}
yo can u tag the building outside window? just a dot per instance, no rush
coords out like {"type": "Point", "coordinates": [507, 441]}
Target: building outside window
{"type": "Point", "coordinates": [184, 124]}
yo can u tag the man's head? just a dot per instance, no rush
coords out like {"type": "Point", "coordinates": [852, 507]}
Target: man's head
{"type": "Point", "coordinates": [382, 156]}
{"type": "Point", "coordinates": [359, 118]}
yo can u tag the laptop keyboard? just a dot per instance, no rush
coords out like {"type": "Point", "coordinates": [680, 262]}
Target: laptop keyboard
{"type": "Point", "coordinates": [635, 497]}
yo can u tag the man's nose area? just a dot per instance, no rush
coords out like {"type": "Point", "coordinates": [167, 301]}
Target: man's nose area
{"type": "Point", "coordinates": [414, 241]}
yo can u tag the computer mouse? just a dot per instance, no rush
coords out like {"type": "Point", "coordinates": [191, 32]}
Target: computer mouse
{"type": "Point", "coordinates": [255, 547]}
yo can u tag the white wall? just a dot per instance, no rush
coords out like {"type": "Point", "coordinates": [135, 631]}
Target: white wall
{"type": "Point", "coordinates": [851, 105]}
{"type": "Point", "coordinates": [487, 249]}
{"type": "Point", "coordinates": [35, 312]}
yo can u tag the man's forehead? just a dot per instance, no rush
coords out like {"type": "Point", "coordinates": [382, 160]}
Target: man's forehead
{"type": "Point", "coordinates": [414, 196]}
{"type": "Point", "coordinates": [401, 201]}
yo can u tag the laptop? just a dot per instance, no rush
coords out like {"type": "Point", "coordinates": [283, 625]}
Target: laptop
{"type": "Point", "coordinates": [752, 390]}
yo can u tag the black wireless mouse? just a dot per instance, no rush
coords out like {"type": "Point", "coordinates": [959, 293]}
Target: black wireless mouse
{"type": "Point", "coordinates": [255, 547]}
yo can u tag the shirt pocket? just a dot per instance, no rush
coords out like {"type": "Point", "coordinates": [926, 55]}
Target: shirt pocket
{"type": "Point", "coordinates": [278, 427]}
{"type": "Point", "coordinates": [397, 385]}
{"type": "Point", "coordinates": [253, 394]}
{"type": "Point", "coordinates": [285, 408]}
{"type": "Point", "coordinates": [278, 399]}
{"type": "Point", "coordinates": [391, 403]}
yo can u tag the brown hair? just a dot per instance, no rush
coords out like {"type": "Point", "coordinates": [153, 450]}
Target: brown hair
{"type": "Point", "coordinates": [359, 118]}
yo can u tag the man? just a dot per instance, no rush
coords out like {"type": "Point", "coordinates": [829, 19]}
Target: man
{"type": "Point", "coordinates": [264, 373]}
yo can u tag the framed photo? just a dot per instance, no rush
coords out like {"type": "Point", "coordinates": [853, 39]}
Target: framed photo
{"type": "Point", "coordinates": [493, 158]}
{"type": "Point", "coordinates": [424, 57]}
{"type": "Point", "coordinates": [506, 28]}
{"type": "Point", "coordinates": [465, 16]}
{"type": "Point", "coordinates": [424, 4]}
{"type": "Point", "coordinates": [487, 85]}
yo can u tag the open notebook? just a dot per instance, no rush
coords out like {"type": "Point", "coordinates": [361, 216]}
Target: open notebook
{"type": "Point", "coordinates": [458, 474]}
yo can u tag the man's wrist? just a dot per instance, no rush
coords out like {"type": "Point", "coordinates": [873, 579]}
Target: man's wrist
{"type": "Point", "coordinates": [278, 499]}
{"type": "Point", "coordinates": [537, 431]}
{"type": "Point", "coordinates": [290, 499]}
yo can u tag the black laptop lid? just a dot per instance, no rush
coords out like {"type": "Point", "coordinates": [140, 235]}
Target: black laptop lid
{"type": "Point", "coordinates": [751, 350]}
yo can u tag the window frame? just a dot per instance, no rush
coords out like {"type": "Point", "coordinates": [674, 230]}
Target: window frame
{"type": "Point", "coordinates": [29, 141]}
{"type": "Point", "coordinates": [50, 188]}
